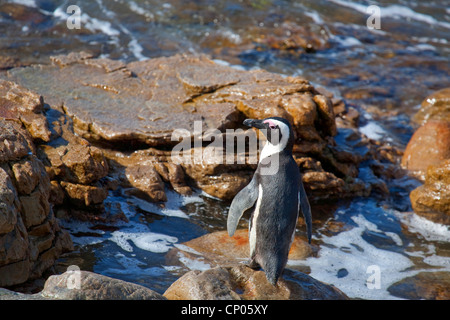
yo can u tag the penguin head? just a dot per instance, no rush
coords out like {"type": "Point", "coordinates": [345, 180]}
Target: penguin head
{"type": "Point", "coordinates": [278, 131]}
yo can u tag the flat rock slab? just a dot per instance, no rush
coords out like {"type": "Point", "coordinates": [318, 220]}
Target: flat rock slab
{"type": "Point", "coordinates": [145, 101]}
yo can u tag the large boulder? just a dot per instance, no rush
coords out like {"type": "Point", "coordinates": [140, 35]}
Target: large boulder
{"type": "Point", "coordinates": [242, 283]}
{"type": "Point", "coordinates": [432, 199]}
{"type": "Point", "coordinates": [430, 145]}
{"type": "Point", "coordinates": [30, 236]}
{"type": "Point", "coordinates": [142, 104]}
{"type": "Point", "coordinates": [434, 107]}
{"type": "Point", "coordinates": [85, 285]}
{"type": "Point", "coordinates": [424, 285]}
{"type": "Point", "coordinates": [427, 156]}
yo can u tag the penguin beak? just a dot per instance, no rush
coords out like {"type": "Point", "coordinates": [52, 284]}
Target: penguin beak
{"type": "Point", "coordinates": [259, 124]}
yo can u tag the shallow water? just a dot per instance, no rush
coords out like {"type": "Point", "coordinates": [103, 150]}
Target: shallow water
{"type": "Point", "coordinates": [385, 73]}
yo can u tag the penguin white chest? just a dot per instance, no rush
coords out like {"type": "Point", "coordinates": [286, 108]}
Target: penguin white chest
{"type": "Point", "coordinates": [252, 238]}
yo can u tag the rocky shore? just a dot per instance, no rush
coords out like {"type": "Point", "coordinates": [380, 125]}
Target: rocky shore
{"type": "Point", "coordinates": [427, 156]}
{"type": "Point", "coordinates": [78, 127]}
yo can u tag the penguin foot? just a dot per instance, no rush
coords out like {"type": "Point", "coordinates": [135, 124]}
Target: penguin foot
{"type": "Point", "coordinates": [252, 264]}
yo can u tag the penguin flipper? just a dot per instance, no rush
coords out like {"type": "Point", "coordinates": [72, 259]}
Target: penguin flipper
{"type": "Point", "coordinates": [243, 201]}
{"type": "Point", "coordinates": [306, 210]}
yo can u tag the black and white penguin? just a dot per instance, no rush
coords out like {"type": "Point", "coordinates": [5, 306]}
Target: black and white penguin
{"type": "Point", "coordinates": [275, 195]}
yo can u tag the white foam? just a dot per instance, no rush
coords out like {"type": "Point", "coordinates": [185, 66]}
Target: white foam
{"type": "Point", "coordinates": [430, 230]}
{"type": "Point", "coordinates": [94, 24]}
{"type": "Point", "coordinates": [193, 264]}
{"type": "Point", "coordinates": [230, 35]}
{"type": "Point", "coordinates": [438, 261]}
{"type": "Point", "coordinates": [347, 41]}
{"type": "Point", "coordinates": [149, 241]}
{"type": "Point", "coordinates": [27, 3]}
{"type": "Point", "coordinates": [136, 49]}
{"type": "Point", "coordinates": [348, 250]}
{"type": "Point", "coordinates": [314, 16]}
{"type": "Point", "coordinates": [373, 131]}
{"type": "Point", "coordinates": [185, 248]}
{"type": "Point", "coordinates": [86, 21]}
{"type": "Point", "coordinates": [139, 10]}
{"type": "Point", "coordinates": [395, 11]}
{"type": "Point", "coordinates": [172, 206]}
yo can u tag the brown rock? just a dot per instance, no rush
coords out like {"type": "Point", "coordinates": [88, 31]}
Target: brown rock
{"type": "Point", "coordinates": [85, 285]}
{"type": "Point", "coordinates": [326, 112]}
{"type": "Point", "coordinates": [219, 249]}
{"type": "Point", "coordinates": [432, 200]}
{"type": "Point", "coordinates": [77, 163]}
{"type": "Point", "coordinates": [8, 200]}
{"type": "Point", "coordinates": [169, 93]}
{"type": "Point", "coordinates": [30, 237]}
{"type": "Point", "coordinates": [174, 174]}
{"type": "Point", "coordinates": [22, 98]}
{"type": "Point", "coordinates": [36, 124]}
{"type": "Point", "coordinates": [26, 106]}
{"type": "Point", "coordinates": [145, 178]}
{"type": "Point", "coordinates": [28, 173]}
{"type": "Point", "coordinates": [35, 208]}
{"type": "Point", "coordinates": [84, 195]}
{"type": "Point", "coordinates": [324, 181]}
{"type": "Point", "coordinates": [430, 145]}
{"type": "Point", "coordinates": [71, 58]}
{"type": "Point", "coordinates": [7, 62]}
{"type": "Point", "coordinates": [14, 273]}
{"type": "Point", "coordinates": [212, 284]}
{"type": "Point", "coordinates": [424, 285]}
{"type": "Point", "coordinates": [14, 245]}
{"type": "Point", "coordinates": [15, 143]}
{"type": "Point", "coordinates": [242, 283]}
{"type": "Point", "coordinates": [56, 193]}
{"type": "Point", "coordinates": [291, 36]}
{"type": "Point", "coordinates": [435, 107]}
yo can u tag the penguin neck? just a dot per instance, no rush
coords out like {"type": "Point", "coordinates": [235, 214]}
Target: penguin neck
{"type": "Point", "coordinates": [271, 149]}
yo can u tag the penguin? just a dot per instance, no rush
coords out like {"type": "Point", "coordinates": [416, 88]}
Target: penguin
{"type": "Point", "coordinates": [274, 196]}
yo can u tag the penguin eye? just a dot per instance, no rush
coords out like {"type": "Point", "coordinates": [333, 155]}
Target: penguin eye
{"type": "Point", "coordinates": [273, 126]}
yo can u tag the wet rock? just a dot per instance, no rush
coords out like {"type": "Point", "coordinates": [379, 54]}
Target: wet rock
{"type": "Point", "coordinates": [94, 286]}
{"type": "Point", "coordinates": [76, 162]}
{"type": "Point", "coordinates": [147, 171]}
{"type": "Point", "coordinates": [75, 167]}
{"type": "Point", "coordinates": [30, 237]}
{"type": "Point", "coordinates": [21, 12]}
{"type": "Point", "coordinates": [84, 195]}
{"type": "Point", "coordinates": [291, 36]}
{"type": "Point", "coordinates": [14, 142]}
{"type": "Point", "coordinates": [430, 145]}
{"type": "Point", "coordinates": [85, 285]}
{"type": "Point", "coordinates": [7, 62]}
{"type": "Point", "coordinates": [434, 107]}
{"type": "Point", "coordinates": [26, 106]}
{"type": "Point", "coordinates": [424, 285]}
{"type": "Point", "coordinates": [432, 200]}
{"type": "Point", "coordinates": [143, 103]}
{"type": "Point", "coordinates": [242, 283]}
{"type": "Point", "coordinates": [219, 249]}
